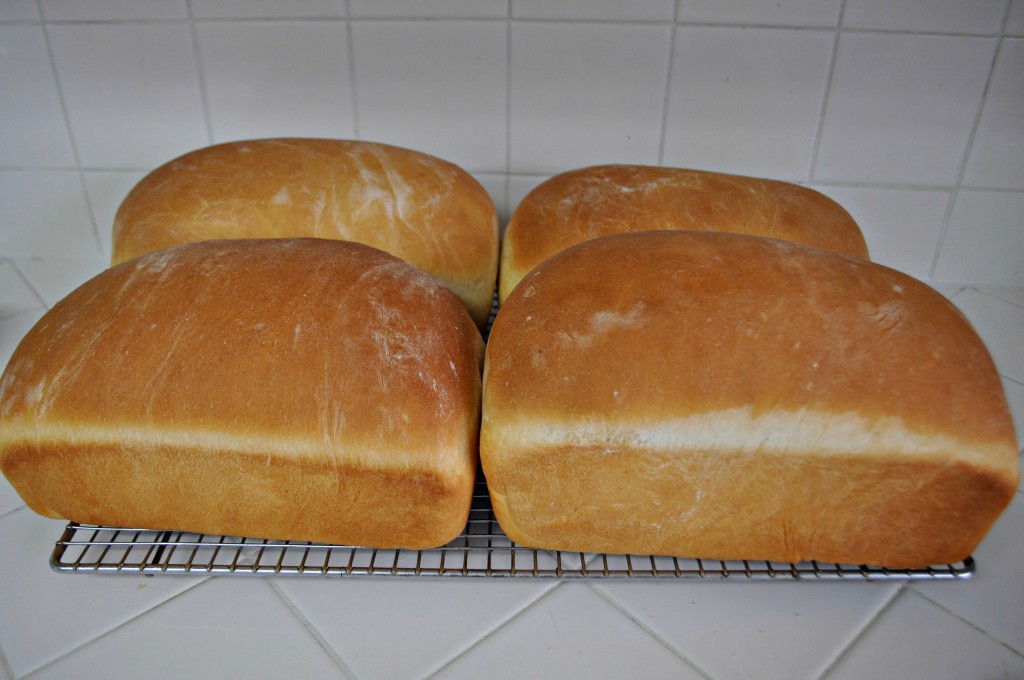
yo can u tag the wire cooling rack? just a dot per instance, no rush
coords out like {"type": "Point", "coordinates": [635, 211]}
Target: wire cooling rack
{"type": "Point", "coordinates": [481, 550]}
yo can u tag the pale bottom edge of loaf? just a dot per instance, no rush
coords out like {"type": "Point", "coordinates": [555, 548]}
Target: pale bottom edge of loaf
{"type": "Point", "coordinates": [240, 494]}
{"type": "Point", "coordinates": [881, 510]}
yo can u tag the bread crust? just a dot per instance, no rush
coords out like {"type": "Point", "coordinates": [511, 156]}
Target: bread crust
{"type": "Point", "coordinates": [420, 208]}
{"type": "Point", "coordinates": [587, 203]}
{"type": "Point", "coordinates": [726, 396]}
{"type": "Point", "coordinates": [303, 389]}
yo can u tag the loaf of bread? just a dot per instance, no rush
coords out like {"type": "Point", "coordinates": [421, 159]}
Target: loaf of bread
{"type": "Point", "coordinates": [424, 210]}
{"type": "Point", "coordinates": [599, 201]}
{"type": "Point", "coordinates": [727, 396]}
{"type": "Point", "coordinates": [302, 389]}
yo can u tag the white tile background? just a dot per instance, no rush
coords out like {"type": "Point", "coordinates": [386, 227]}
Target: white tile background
{"type": "Point", "coordinates": [908, 112]}
{"type": "Point", "coordinates": [897, 107]}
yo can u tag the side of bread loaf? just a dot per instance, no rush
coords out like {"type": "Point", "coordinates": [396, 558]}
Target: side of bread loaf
{"type": "Point", "coordinates": [587, 203]}
{"type": "Point", "coordinates": [734, 397]}
{"type": "Point", "coordinates": [422, 209]}
{"type": "Point", "coordinates": [301, 389]}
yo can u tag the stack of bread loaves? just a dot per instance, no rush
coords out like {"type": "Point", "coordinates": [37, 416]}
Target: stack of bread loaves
{"type": "Point", "coordinates": [684, 363]}
{"type": "Point", "coordinates": [229, 376]}
{"type": "Point", "coordinates": [681, 390]}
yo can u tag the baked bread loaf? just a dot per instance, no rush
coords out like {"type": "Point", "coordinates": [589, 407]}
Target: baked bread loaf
{"type": "Point", "coordinates": [727, 396]}
{"type": "Point", "coordinates": [300, 389]}
{"type": "Point", "coordinates": [599, 201]}
{"type": "Point", "coordinates": [419, 208]}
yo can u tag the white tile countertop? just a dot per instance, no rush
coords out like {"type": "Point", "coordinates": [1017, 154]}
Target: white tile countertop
{"type": "Point", "coordinates": [905, 112]}
{"type": "Point", "coordinates": [55, 625]}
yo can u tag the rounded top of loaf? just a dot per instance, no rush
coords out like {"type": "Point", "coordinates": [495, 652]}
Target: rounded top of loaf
{"type": "Point", "coordinates": [587, 203]}
{"type": "Point", "coordinates": [422, 209]}
{"type": "Point", "coordinates": [319, 347]}
{"type": "Point", "coordinates": [647, 335]}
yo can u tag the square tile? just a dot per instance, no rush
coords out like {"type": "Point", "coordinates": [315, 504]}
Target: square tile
{"type": "Point", "coordinates": [1015, 20]}
{"type": "Point", "coordinates": [746, 101]}
{"type": "Point", "coordinates": [265, 9]}
{"type": "Point", "coordinates": [915, 638]}
{"type": "Point", "coordinates": [1012, 294]}
{"type": "Point", "coordinates": [106, 190]}
{"type": "Point", "coordinates": [1000, 325]}
{"type": "Point", "coordinates": [429, 9]}
{"type": "Point", "coordinates": [16, 296]}
{"type": "Point", "coordinates": [584, 94]}
{"type": "Point", "coordinates": [603, 10]}
{"type": "Point", "coordinates": [781, 13]}
{"type": "Point", "coordinates": [984, 241]}
{"type": "Point", "coordinates": [276, 79]}
{"type": "Point", "coordinates": [12, 329]}
{"type": "Point", "coordinates": [434, 86]}
{"type": "Point", "coordinates": [902, 226]}
{"type": "Point", "coordinates": [996, 159]}
{"type": "Point", "coordinates": [762, 630]}
{"type": "Point", "coordinates": [55, 278]}
{"type": "Point", "coordinates": [113, 10]}
{"type": "Point", "coordinates": [570, 632]}
{"type": "Point", "coordinates": [992, 599]}
{"type": "Point", "coordinates": [46, 614]}
{"type": "Point", "coordinates": [36, 134]}
{"type": "Point", "coordinates": [229, 628]}
{"type": "Point", "coordinates": [131, 90]}
{"type": "Point", "coordinates": [1014, 392]}
{"type": "Point", "coordinates": [901, 107]}
{"type": "Point", "coordinates": [941, 16]}
{"type": "Point", "coordinates": [9, 498]}
{"type": "Point", "coordinates": [435, 619]}
{"type": "Point", "coordinates": [19, 10]}
{"type": "Point", "coordinates": [44, 213]}
{"type": "Point", "coordinates": [947, 289]}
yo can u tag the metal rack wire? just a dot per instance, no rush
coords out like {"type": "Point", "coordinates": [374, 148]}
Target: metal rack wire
{"type": "Point", "coordinates": [481, 550]}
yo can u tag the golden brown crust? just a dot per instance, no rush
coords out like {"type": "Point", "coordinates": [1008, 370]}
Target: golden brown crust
{"type": "Point", "coordinates": [251, 375]}
{"type": "Point", "coordinates": [587, 203]}
{"type": "Point", "coordinates": [422, 209]}
{"type": "Point", "coordinates": [728, 396]}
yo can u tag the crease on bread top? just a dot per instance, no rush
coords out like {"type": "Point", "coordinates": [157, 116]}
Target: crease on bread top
{"type": "Point", "coordinates": [735, 397]}
{"type": "Point", "coordinates": [280, 388]}
{"type": "Point", "coordinates": [422, 209]}
{"type": "Point", "coordinates": [596, 201]}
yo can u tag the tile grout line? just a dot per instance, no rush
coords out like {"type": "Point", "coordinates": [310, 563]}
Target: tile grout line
{"type": "Point", "coordinates": [508, 115]}
{"type": "Point", "coordinates": [10, 513]}
{"type": "Point", "coordinates": [669, 76]}
{"type": "Point", "coordinates": [490, 633]}
{"type": "Point", "coordinates": [740, 25]}
{"type": "Point", "coordinates": [28, 284]}
{"type": "Point", "coordinates": [313, 631]}
{"type": "Point", "coordinates": [76, 153]}
{"type": "Point", "coordinates": [5, 666]}
{"type": "Point", "coordinates": [826, 95]}
{"type": "Point", "coordinates": [350, 53]}
{"type": "Point", "coordinates": [970, 623]}
{"type": "Point", "coordinates": [965, 159]}
{"type": "Point", "coordinates": [981, 291]}
{"type": "Point", "coordinates": [858, 635]}
{"type": "Point", "coordinates": [116, 628]}
{"type": "Point", "coordinates": [622, 609]}
{"type": "Point", "coordinates": [193, 34]}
